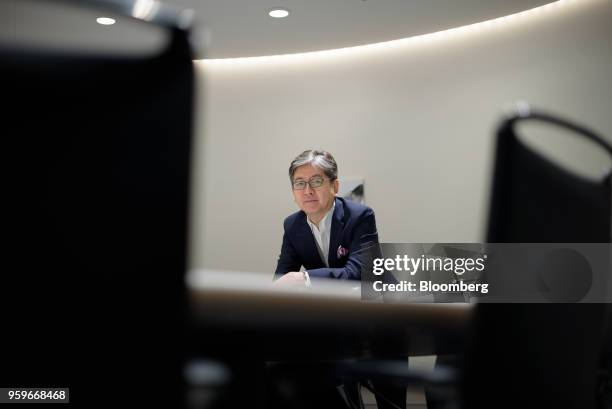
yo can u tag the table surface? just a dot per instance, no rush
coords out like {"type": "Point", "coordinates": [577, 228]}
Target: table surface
{"type": "Point", "coordinates": [239, 312]}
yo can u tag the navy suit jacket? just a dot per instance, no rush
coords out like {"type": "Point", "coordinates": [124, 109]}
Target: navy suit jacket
{"type": "Point", "coordinates": [353, 228]}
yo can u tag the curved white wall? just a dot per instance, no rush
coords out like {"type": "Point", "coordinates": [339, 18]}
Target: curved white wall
{"type": "Point", "coordinates": [416, 120]}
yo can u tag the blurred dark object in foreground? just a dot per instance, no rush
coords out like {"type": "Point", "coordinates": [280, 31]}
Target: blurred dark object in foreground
{"type": "Point", "coordinates": [97, 162]}
{"type": "Point", "coordinates": [541, 355]}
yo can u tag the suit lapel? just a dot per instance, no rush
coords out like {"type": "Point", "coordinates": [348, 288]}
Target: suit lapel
{"type": "Point", "coordinates": [309, 243]}
{"type": "Point", "coordinates": [337, 228]}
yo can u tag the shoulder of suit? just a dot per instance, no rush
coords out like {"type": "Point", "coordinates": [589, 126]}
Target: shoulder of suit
{"type": "Point", "coordinates": [356, 209]}
{"type": "Point", "coordinates": [292, 219]}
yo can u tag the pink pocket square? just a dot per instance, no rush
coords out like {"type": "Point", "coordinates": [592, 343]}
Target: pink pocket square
{"type": "Point", "coordinates": [342, 252]}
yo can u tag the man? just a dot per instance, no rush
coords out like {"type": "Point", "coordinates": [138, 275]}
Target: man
{"type": "Point", "coordinates": [330, 237]}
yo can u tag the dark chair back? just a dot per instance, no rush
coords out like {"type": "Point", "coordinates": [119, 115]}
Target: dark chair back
{"type": "Point", "coordinates": [536, 201]}
{"type": "Point", "coordinates": [98, 169]}
{"type": "Point", "coordinates": [539, 355]}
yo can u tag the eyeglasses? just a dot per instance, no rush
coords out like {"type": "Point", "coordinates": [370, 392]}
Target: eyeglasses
{"type": "Point", "coordinates": [314, 182]}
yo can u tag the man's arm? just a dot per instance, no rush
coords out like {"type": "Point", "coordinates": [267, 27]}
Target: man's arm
{"type": "Point", "coordinates": [288, 259]}
{"type": "Point", "coordinates": [364, 245]}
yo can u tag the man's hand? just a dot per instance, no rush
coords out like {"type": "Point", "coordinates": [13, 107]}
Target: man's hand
{"type": "Point", "coordinates": [292, 279]}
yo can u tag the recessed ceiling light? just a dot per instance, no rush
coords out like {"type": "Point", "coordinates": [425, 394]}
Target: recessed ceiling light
{"type": "Point", "coordinates": [278, 13]}
{"type": "Point", "coordinates": [105, 21]}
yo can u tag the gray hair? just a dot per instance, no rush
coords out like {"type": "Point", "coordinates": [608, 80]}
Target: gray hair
{"type": "Point", "coordinates": [318, 158]}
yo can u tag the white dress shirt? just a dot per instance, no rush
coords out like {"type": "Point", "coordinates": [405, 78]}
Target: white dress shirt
{"type": "Point", "coordinates": [322, 233]}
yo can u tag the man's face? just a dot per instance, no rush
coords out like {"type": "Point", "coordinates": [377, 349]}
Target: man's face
{"type": "Point", "coordinates": [314, 202]}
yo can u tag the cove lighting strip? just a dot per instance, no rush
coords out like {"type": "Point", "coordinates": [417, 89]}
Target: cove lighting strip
{"type": "Point", "coordinates": [496, 22]}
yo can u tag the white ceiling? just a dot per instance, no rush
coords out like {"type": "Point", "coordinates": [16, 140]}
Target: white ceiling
{"type": "Point", "coordinates": [242, 28]}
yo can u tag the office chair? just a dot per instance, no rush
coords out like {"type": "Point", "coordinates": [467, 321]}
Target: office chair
{"type": "Point", "coordinates": [97, 156]}
{"type": "Point", "coordinates": [531, 355]}
{"type": "Point", "coordinates": [541, 355]}
{"type": "Point", "coordinates": [536, 201]}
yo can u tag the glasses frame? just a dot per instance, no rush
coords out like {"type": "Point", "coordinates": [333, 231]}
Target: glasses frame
{"type": "Point", "coordinates": [309, 183]}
